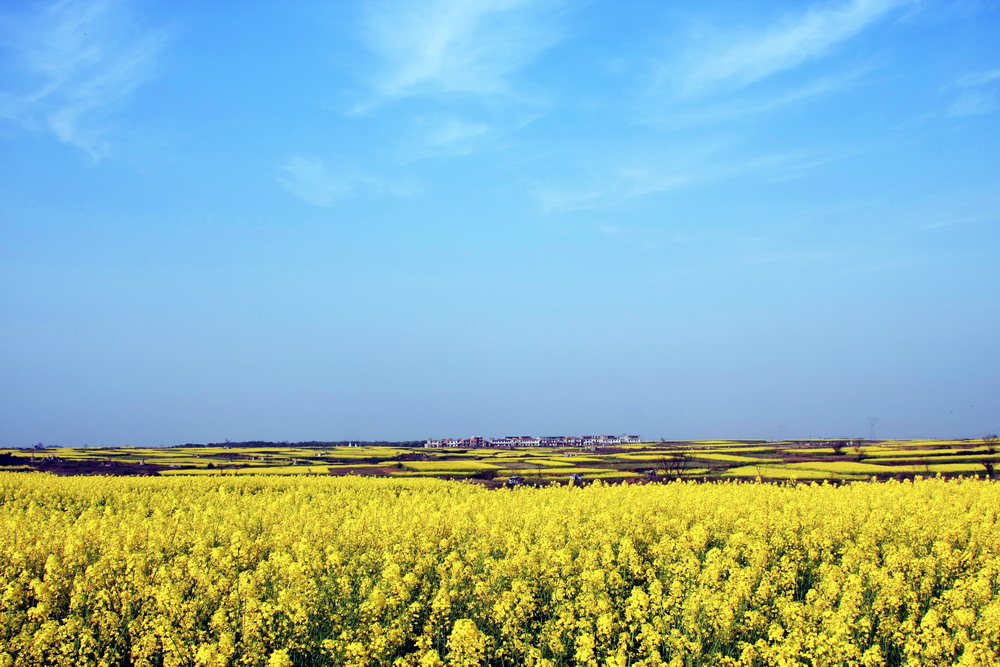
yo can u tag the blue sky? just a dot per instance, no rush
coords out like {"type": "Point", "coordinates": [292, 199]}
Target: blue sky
{"type": "Point", "coordinates": [399, 220]}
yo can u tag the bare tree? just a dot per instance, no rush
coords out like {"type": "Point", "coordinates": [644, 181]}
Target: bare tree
{"type": "Point", "coordinates": [988, 466]}
{"type": "Point", "coordinates": [672, 464]}
{"type": "Point", "coordinates": [990, 442]}
{"type": "Point", "coordinates": [838, 446]}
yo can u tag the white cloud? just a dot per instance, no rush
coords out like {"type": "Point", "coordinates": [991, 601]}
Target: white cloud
{"type": "Point", "coordinates": [979, 78]}
{"type": "Point", "coordinates": [735, 61]}
{"type": "Point", "coordinates": [967, 206]}
{"type": "Point", "coordinates": [980, 93]}
{"type": "Point", "coordinates": [75, 63]}
{"type": "Point", "coordinates": [453, 46]}
{"type": "Point", "coordinates": [316, 182]}
{"type": "Point", "coordinates": [974, 104]}
{"type": "Point", "coordinates": [618, 187]}
{"type": "Point", "coordinates": [461, 62]}
{"type": "Point", "coordinates": [455, 136]}
{"type": "Point", "coordinates": [968, 219]}
{"type": "Point", "coordinates": [311, 180]}
{"type": "Point", "coordinates": [730, 108]}
{"type": "Point", "coordinates": [462, 135]}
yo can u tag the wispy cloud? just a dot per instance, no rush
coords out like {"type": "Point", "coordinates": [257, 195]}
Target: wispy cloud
{"type": "Point", "coordinates": [457, 135]}
{"type": "Point", "coordinates": [731, 62]}
{"type": "Point", "coordinates": [451, 136]}
{"type": "Point", "coordinates": [974, 104]}
{"type": "Point", "coordinates": [453, 46]}
{"type": "Point", "coordinates": [731, 108]}
{"type": "Point", "coordinates": [968, 206]}
{"type": "Point", "coordinates": [454, 131]}
{"type": "Point", "coordinates": [317, 182]}
{"type": "Point", "coordinates": [74, 63]}
{"type": "Point", "coordinates": [979, 78]}
{"type": "Point", "coordinates": [617, 188]}
{"type": "Point", "coordinates": [969, 219]}
{"type": "Point", "coordinates": [979, 93]}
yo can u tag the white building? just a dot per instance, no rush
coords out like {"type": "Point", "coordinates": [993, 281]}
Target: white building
{"type": "Point", "coordinates": [533, 441]}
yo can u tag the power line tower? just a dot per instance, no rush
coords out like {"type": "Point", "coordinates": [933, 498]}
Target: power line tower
{"type": "Point", "coordinates": [871, 426]}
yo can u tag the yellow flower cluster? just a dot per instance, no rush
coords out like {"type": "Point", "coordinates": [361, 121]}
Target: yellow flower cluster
{"type": "Point", "coordinates": [363, 571]}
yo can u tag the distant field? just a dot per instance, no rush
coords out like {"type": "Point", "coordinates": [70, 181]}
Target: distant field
{"type": "Point", "coordinates": [784, 472]}
{"type": "Point", "coordinates": [702, 460]}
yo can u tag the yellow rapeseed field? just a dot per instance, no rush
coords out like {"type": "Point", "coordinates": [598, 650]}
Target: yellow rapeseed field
{"type": "Point", "coordinates": [364, 571]}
